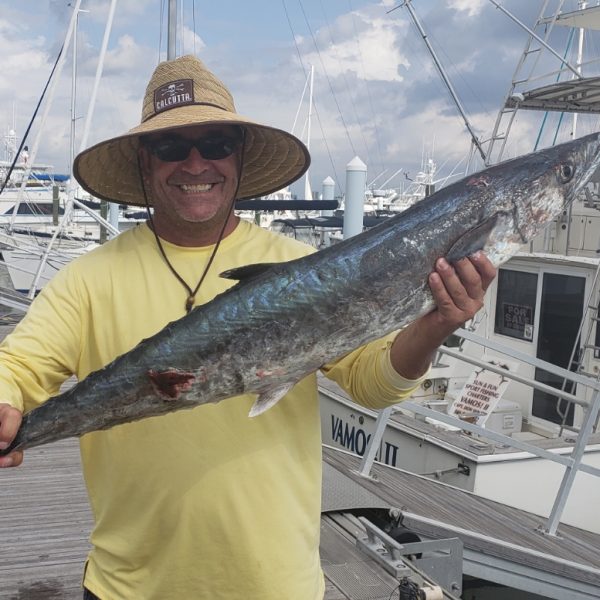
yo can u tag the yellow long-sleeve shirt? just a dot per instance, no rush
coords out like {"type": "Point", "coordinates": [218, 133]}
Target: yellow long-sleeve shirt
{"type": "Point", "coordinates": [199, 504]}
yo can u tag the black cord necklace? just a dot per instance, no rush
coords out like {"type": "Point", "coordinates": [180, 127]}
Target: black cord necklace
{"type": "Point", "coordinates": [191, 297]}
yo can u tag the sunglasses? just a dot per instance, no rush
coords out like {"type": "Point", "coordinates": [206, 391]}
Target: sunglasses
{"type": "Point", "coordinates": [178, 149]}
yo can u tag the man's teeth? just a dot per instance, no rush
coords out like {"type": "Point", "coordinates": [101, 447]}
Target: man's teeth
{"type": "Point", "coordinates": [199, 187]}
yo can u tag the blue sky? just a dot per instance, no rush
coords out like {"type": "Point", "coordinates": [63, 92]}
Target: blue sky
{"type": "Point", "coordinates": [377, 93]}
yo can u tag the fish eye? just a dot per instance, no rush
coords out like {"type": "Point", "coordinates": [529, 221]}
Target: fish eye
{"type": "Point", "coordinates": [566, 172]}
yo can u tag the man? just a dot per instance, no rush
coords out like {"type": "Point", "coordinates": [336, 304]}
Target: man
{"type": "Point", "coordinates": [206, 503]}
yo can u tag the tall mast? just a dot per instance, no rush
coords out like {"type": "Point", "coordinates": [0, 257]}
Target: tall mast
{"type": "Point", "coordinates": [51, 91]}
{"type": "Point", "coordinates": [172, 31]}
{"type": "Point", "coordinates": [307, 189]}
{"type": "Point", "coordinates": [71, 188]}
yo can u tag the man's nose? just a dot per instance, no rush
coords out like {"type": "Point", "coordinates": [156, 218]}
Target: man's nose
{"type": "Point", "coordinates": [195, 162]}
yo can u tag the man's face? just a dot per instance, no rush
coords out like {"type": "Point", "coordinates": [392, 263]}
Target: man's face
{"type": "Point", "coordinates": [191, 193]}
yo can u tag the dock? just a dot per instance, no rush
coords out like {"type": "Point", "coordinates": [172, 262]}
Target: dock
{"type": "Point", "coordinates": [45, 522]}
{"type": "Point", "coordinates": [502, 544]}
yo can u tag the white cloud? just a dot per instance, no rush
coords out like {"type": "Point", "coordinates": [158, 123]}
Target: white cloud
{"type": "Point", "coordinates": [191, 43]}
{"type": "Point", "coordinates": [471, 7]}
{"type": "Point", "coordinates": [373, 54]}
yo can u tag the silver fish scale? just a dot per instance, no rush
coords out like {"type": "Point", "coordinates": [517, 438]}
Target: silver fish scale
{"type": "Point", "coordinates": [272, 329]}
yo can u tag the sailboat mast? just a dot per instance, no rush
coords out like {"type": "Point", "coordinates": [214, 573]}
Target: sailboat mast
{"type": "Point", "coordinates": [112, 227]}
{"type": "Point", "coordinates": [51, 91]}
{"type": "Point", "coordinates": [582, 6]}
{"type": "Point", "coordinates": [73, 92]}
{"type": "Point", "coordinates": [172, 31]}
{"type": "Point", "coordinates": [307, 189]}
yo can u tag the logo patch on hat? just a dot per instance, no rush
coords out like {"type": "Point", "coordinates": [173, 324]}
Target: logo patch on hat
{"type": "Point", "coordinates": [173, 94]}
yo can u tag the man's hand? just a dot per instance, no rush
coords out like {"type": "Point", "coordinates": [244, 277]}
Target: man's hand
{"type": "Point", "coordinates": [10, 421]}
{"type": "Point", "coordinates": [458, 291]}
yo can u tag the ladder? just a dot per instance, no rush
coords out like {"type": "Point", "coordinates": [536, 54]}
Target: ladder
{"type": "Point", "coordinates": [525, 75]}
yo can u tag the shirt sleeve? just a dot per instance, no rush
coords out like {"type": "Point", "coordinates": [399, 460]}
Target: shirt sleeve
{"type": "Point", "coordinates": [43, 349]}
{"type": "Point", "coordinates": [368, 376]}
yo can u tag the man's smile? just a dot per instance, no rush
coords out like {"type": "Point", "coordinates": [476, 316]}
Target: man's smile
{"type": "Point", "coordinates": [196, 188]}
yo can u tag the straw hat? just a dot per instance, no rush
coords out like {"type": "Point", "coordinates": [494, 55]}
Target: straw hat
{"type": "Point", "coordinates": [183, 92]}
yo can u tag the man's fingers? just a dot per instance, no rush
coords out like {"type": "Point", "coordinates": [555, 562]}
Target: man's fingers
{"type": "Point", "coordinates": [14, 459]}
{"type": "Point", "coordinates": [468, 284]}
{"type": "Point", "coordinates": [10, 421]}
{"type": "Point", "coordinates": [462, 283]}
{"type": "Point", "coordinates": [442, 298]}
{"type": "Point", "coordinates": [487, 271]}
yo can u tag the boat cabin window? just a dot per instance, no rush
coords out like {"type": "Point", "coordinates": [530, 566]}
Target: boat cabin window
{"type": "Point", "coordinates": [515, 304]}
{"type": "Point", "coordinates": [557, 319]}
{"type": "Point", "coordinates": [597, 336]}
{"type": "Point", "coordinates": [561, 310]}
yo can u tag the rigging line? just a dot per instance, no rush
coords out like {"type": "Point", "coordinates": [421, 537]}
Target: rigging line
{"type": "Point", "coordinates": [194, 24]}
{"type": "Point", "coordinates": [546, 113]}
{"type": "Point", "coordinates": [444, 76]}
{"type": "Point", "coordinates": [345, 80]}
{"type": "Point", "coordinates": [35, 112]}
{"type": "Point", "coordinates": [312, 35]}
{"type": "Point", "coordinates": [337, 181]}
{"type": "Point", "coordinates": [456, 70]}
{"type": "Point", "coordinates": [293, 36]}
{"type": "Point", "coordinates": [368, 88]}
{"type": "Point", "coordinates": [299, 106]}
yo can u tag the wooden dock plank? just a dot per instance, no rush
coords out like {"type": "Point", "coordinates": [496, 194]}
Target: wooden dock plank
{"type": "Point", "coordinates": [45, 522]}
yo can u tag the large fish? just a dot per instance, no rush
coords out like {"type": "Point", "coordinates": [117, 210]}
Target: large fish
{"type": "Point", "coordinates": [284, 321]}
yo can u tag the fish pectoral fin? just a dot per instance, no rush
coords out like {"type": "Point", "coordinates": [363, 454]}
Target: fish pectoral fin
{"type": "Point", "coordinates": [472, 241]}
{"type": "Point", "coordinates": [268, 399]}
{"type": "Point", "coordinates": [246, 272]}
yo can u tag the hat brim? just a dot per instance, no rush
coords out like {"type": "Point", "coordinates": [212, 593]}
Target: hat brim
{"type": "Point", "coordinates": [273, 158]}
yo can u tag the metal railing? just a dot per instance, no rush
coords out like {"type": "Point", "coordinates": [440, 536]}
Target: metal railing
{"type": "Point", "coordinates": [572, 463]}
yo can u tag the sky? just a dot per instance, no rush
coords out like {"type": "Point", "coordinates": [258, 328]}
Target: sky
{"type": "Point", "coordinates": [377, 94]}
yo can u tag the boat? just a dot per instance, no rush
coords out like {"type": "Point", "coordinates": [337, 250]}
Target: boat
{"type": "Point", "coordinates": [47, 220]}
{"type": "Point", "coordinates": [30, 192]}
{"type": "Point", "coordinates": [509, 411]}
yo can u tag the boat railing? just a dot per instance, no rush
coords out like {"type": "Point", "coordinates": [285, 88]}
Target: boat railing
{"type": "Point", "coordinates": [572, 463]}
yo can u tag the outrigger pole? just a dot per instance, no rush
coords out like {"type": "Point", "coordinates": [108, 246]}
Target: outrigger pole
{"type": "Point", "coordinates": [445, 78]}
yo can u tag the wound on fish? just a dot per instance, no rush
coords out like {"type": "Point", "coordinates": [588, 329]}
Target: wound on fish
{"type": "Point", "coordinates": [171, 383]}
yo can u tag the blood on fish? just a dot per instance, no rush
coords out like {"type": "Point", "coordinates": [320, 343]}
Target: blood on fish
{"type": "Point", "coordinates": [480, 181]}
{"type": "Point", "coordinates": [171, 383]}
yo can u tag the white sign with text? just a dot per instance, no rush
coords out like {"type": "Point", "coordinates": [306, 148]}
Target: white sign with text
{"type": "Point", "coordinates": [479, 397]}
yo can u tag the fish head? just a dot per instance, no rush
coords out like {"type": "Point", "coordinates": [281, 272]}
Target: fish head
{"type": "Point", "coordinates": [547, 182]}
{"type": "Point", "coordinates": [530, 191]}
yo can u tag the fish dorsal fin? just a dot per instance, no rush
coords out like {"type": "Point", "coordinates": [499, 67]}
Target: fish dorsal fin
{"type": "Point", "coordinates": [472, 241]}
{"type": "Point", "coordinates": [268, 399]}
{"type": "Point", "coordinates": [246, 272]}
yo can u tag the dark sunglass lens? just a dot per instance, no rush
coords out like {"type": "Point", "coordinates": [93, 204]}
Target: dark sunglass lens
{"type": "Point", "coordinates": [178, 149]}
{"type": "Point", "coordinates": [172, 150]}
{"type": "Point", "coordinates": [216, 148]}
